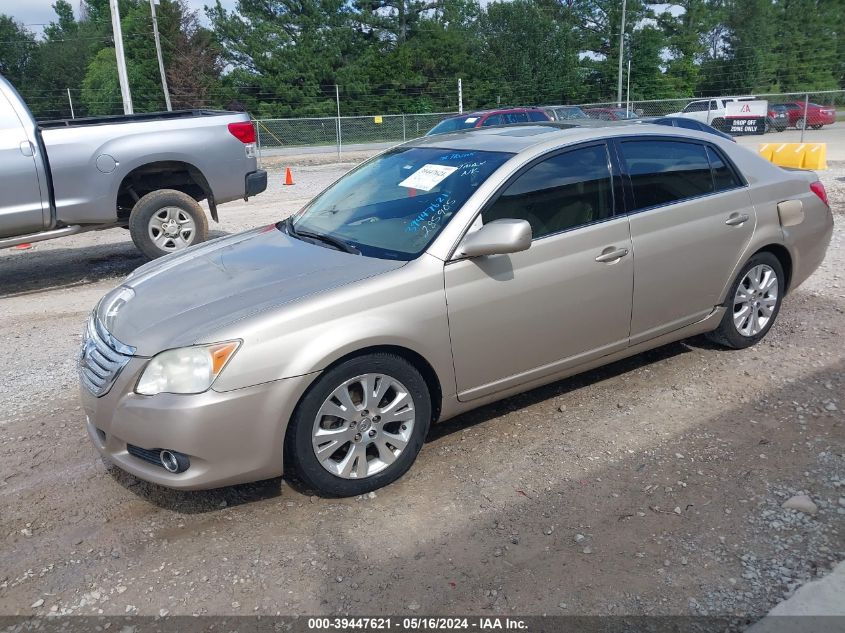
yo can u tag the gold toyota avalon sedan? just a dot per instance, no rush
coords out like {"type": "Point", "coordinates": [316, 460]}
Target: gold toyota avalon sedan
{"type": "Point", "coordinates": [439, 276]}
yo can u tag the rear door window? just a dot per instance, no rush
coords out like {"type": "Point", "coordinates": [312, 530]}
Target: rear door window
{"type": "Point", "coordinates": [537, 116]}
{"type": "Point", "coordinates": [493, 119]}
{"type": "Point", "coordinates": [663, 172]}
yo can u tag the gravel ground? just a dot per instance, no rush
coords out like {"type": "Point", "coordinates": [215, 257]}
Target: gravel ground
{"type": "Point", "coordinates": [652, 486]}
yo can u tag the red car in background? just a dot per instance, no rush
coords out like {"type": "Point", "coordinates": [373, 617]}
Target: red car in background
{"type": "Point", "coordinates": [486, 118]}
{"type": "Point", "coordinates": [817, 115]}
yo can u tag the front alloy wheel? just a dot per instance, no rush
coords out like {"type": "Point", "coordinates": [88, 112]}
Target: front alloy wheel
{"type": "Point", "coordinates": [360, 425]}
{"type": "Point", "coordinates": [363, 426]}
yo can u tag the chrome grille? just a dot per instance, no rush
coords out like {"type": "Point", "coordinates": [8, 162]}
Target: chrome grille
{"type": "Point", "coordinates": [101, 358]}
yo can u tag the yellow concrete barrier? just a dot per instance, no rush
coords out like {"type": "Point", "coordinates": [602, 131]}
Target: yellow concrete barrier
{"type": "Point", "coordinates": [799, 155]}
{"type": "Point", "coordinates": [789, 155]}
{"type": "Point", "coordinates": [816, 156]}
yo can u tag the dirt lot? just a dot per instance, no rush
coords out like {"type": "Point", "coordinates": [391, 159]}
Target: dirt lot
{"type": "Point", "coordinates": [652, 486]}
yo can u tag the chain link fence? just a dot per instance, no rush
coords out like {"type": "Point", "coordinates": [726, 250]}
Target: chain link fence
{"type": "Point", "coordinates": [275, 136]}
{"type": "Point", "coordinates": [341, 132]}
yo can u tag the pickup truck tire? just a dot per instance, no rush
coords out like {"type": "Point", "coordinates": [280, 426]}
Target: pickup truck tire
{"type": "Point", "coordinates": [166, 221]}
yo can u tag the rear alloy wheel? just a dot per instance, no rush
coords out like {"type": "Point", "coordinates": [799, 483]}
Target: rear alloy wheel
{"type": "Point", "coordinates": [756, 297]}
{"type": "Point", "coordinates": [361, 425]}
{"type": "Point", "coordinates": [799, 123]}
{"type": "Point", "coordinates": [167, 221]}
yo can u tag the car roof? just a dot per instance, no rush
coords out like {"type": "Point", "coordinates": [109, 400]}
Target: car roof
{"type": "Point", "coordinates": [481, 113]}
{"type": "Point", "coordinates": [525, 136]}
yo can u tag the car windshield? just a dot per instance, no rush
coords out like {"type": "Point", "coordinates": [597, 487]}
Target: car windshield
{"type": "Point", "coordinates": [393, 206]}
{"type": "Point", "coordinates": [454, 124]}
{"type": "Point", "coordinates": [571, 113]}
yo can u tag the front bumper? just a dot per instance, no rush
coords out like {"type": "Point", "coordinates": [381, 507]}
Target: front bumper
{"type": "Point", "coordinates": [230, 437]}
{"type": "Point", "coordinates": [256, 182]}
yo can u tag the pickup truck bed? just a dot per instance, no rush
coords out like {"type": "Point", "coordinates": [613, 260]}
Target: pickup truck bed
{"type": "Point", "coordinates": [66, 176]}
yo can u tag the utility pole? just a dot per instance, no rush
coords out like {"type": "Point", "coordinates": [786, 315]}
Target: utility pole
{"type": "Point", "coordinates": [621, 51]}
{"type": "Point", "coordinates": [153, 4]}
{"type": "Point", "coordinates": [337, 99]}
{"type": "Point", "coordinates": [121, 59]}
{"type": "Point", "coordinates": [628, 90]}
{"type": "Point", "coordinates": [70, 101]}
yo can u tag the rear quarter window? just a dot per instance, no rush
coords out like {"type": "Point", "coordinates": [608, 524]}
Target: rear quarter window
{"type": "Point", "coordinates": [724, 177]}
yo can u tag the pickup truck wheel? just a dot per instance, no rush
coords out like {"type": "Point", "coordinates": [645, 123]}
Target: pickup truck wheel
{"type": "Point", "coordinates": [167, 221]}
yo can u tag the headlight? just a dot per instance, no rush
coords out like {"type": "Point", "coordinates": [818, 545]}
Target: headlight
{"type": "Point", "coordinates": [185, 370]}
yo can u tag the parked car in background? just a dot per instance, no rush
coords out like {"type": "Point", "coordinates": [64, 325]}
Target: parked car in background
{"type": "Point", "coordinates": [487, 118]}
{"type": "Point", "coordinates": [444, 274]}
{"type": "Point", "coordinates": [611, 114]}
{"type": "Point", "coordinates": [144, 172]}
{"type": "Point", "coordinates": [564, 113]}
{"type": "Point", "coordinates": [710, 111]}
{"type": "Point", "coordinates": [690, 124]}
{"type": "Point", "coordinates": [778, 119]}
{"type": "Point", "coordinates": [817, 115]}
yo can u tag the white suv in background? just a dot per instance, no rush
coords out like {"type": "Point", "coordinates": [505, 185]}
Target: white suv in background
{"type": "Point", "coordinates": [710, 111]}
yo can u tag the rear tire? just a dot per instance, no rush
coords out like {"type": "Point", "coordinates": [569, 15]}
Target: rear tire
{"type": "Point", "coordinates": [167, 221]}
{"type": "Point", "coordinates": [753, 303]}
{"type": "Point", "coordinates": [364, 442]}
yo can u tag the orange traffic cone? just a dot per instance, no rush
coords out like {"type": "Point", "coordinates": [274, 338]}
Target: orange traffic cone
{"type": "Point", "coordinates": [288, 176]}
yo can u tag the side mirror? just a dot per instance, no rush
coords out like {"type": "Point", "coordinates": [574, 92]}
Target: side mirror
{"type": "Point", "coordinates": [497, 238]}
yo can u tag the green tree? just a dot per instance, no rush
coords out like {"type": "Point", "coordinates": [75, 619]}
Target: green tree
{"type": "Point", "coordinates": [806, 47]}
{"type": "Point", "coordinates": [685, 25]}
{"type": "Point", "coordinates": [17, 49]}
{"type": "Point", "coordinates": [531, 53]}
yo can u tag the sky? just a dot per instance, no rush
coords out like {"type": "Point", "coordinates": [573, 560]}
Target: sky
{"type": "Point", "coordinates": [36, 13]}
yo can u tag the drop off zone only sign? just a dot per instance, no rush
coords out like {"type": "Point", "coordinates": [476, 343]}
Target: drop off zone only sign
{"type": "Point", "coordinates": [747, 117]}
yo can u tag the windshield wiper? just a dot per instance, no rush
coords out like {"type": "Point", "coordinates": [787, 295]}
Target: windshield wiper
{"type": "Point", "coordinates": [326, 239]}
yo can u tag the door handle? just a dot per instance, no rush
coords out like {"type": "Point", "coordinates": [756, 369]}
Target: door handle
{"type": "Point", "coordinates": [737, 219]}
{"type": "Point", "coordinates": [609, 256]}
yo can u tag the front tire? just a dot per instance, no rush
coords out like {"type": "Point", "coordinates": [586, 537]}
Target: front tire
{"type": "Point", "coordinates": [360, 426]}
{"type": "Point", "coordinates": [753, 303]}
{"type": "Point", "coordinates": [166, 221]}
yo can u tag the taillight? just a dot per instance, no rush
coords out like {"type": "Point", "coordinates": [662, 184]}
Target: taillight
{"type": "Point", "coordinates": [243, 131]}
{"type": "Point", "coordinates": [818, 189]}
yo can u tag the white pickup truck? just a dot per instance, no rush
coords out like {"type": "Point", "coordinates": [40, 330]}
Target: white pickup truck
{"type": "Point", "coordinates": [144, 172]}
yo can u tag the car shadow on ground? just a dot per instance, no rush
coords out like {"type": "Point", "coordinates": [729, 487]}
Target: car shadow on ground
{"type": "Point", "coordinates": [34, 271]}
{"type": "Point", "coordinates": [201, 501]}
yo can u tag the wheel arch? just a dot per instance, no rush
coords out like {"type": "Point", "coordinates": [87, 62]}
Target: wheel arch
{"type": "Point", "coordinates": [163, 174]}
{"type": "Point", "coordinates": [416, 360]}
{"type": "Point", "coordinates": [784, 257]}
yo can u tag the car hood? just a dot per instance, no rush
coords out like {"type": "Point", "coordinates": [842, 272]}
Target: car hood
{"type": "Point", "coordinates": [184, 298]}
